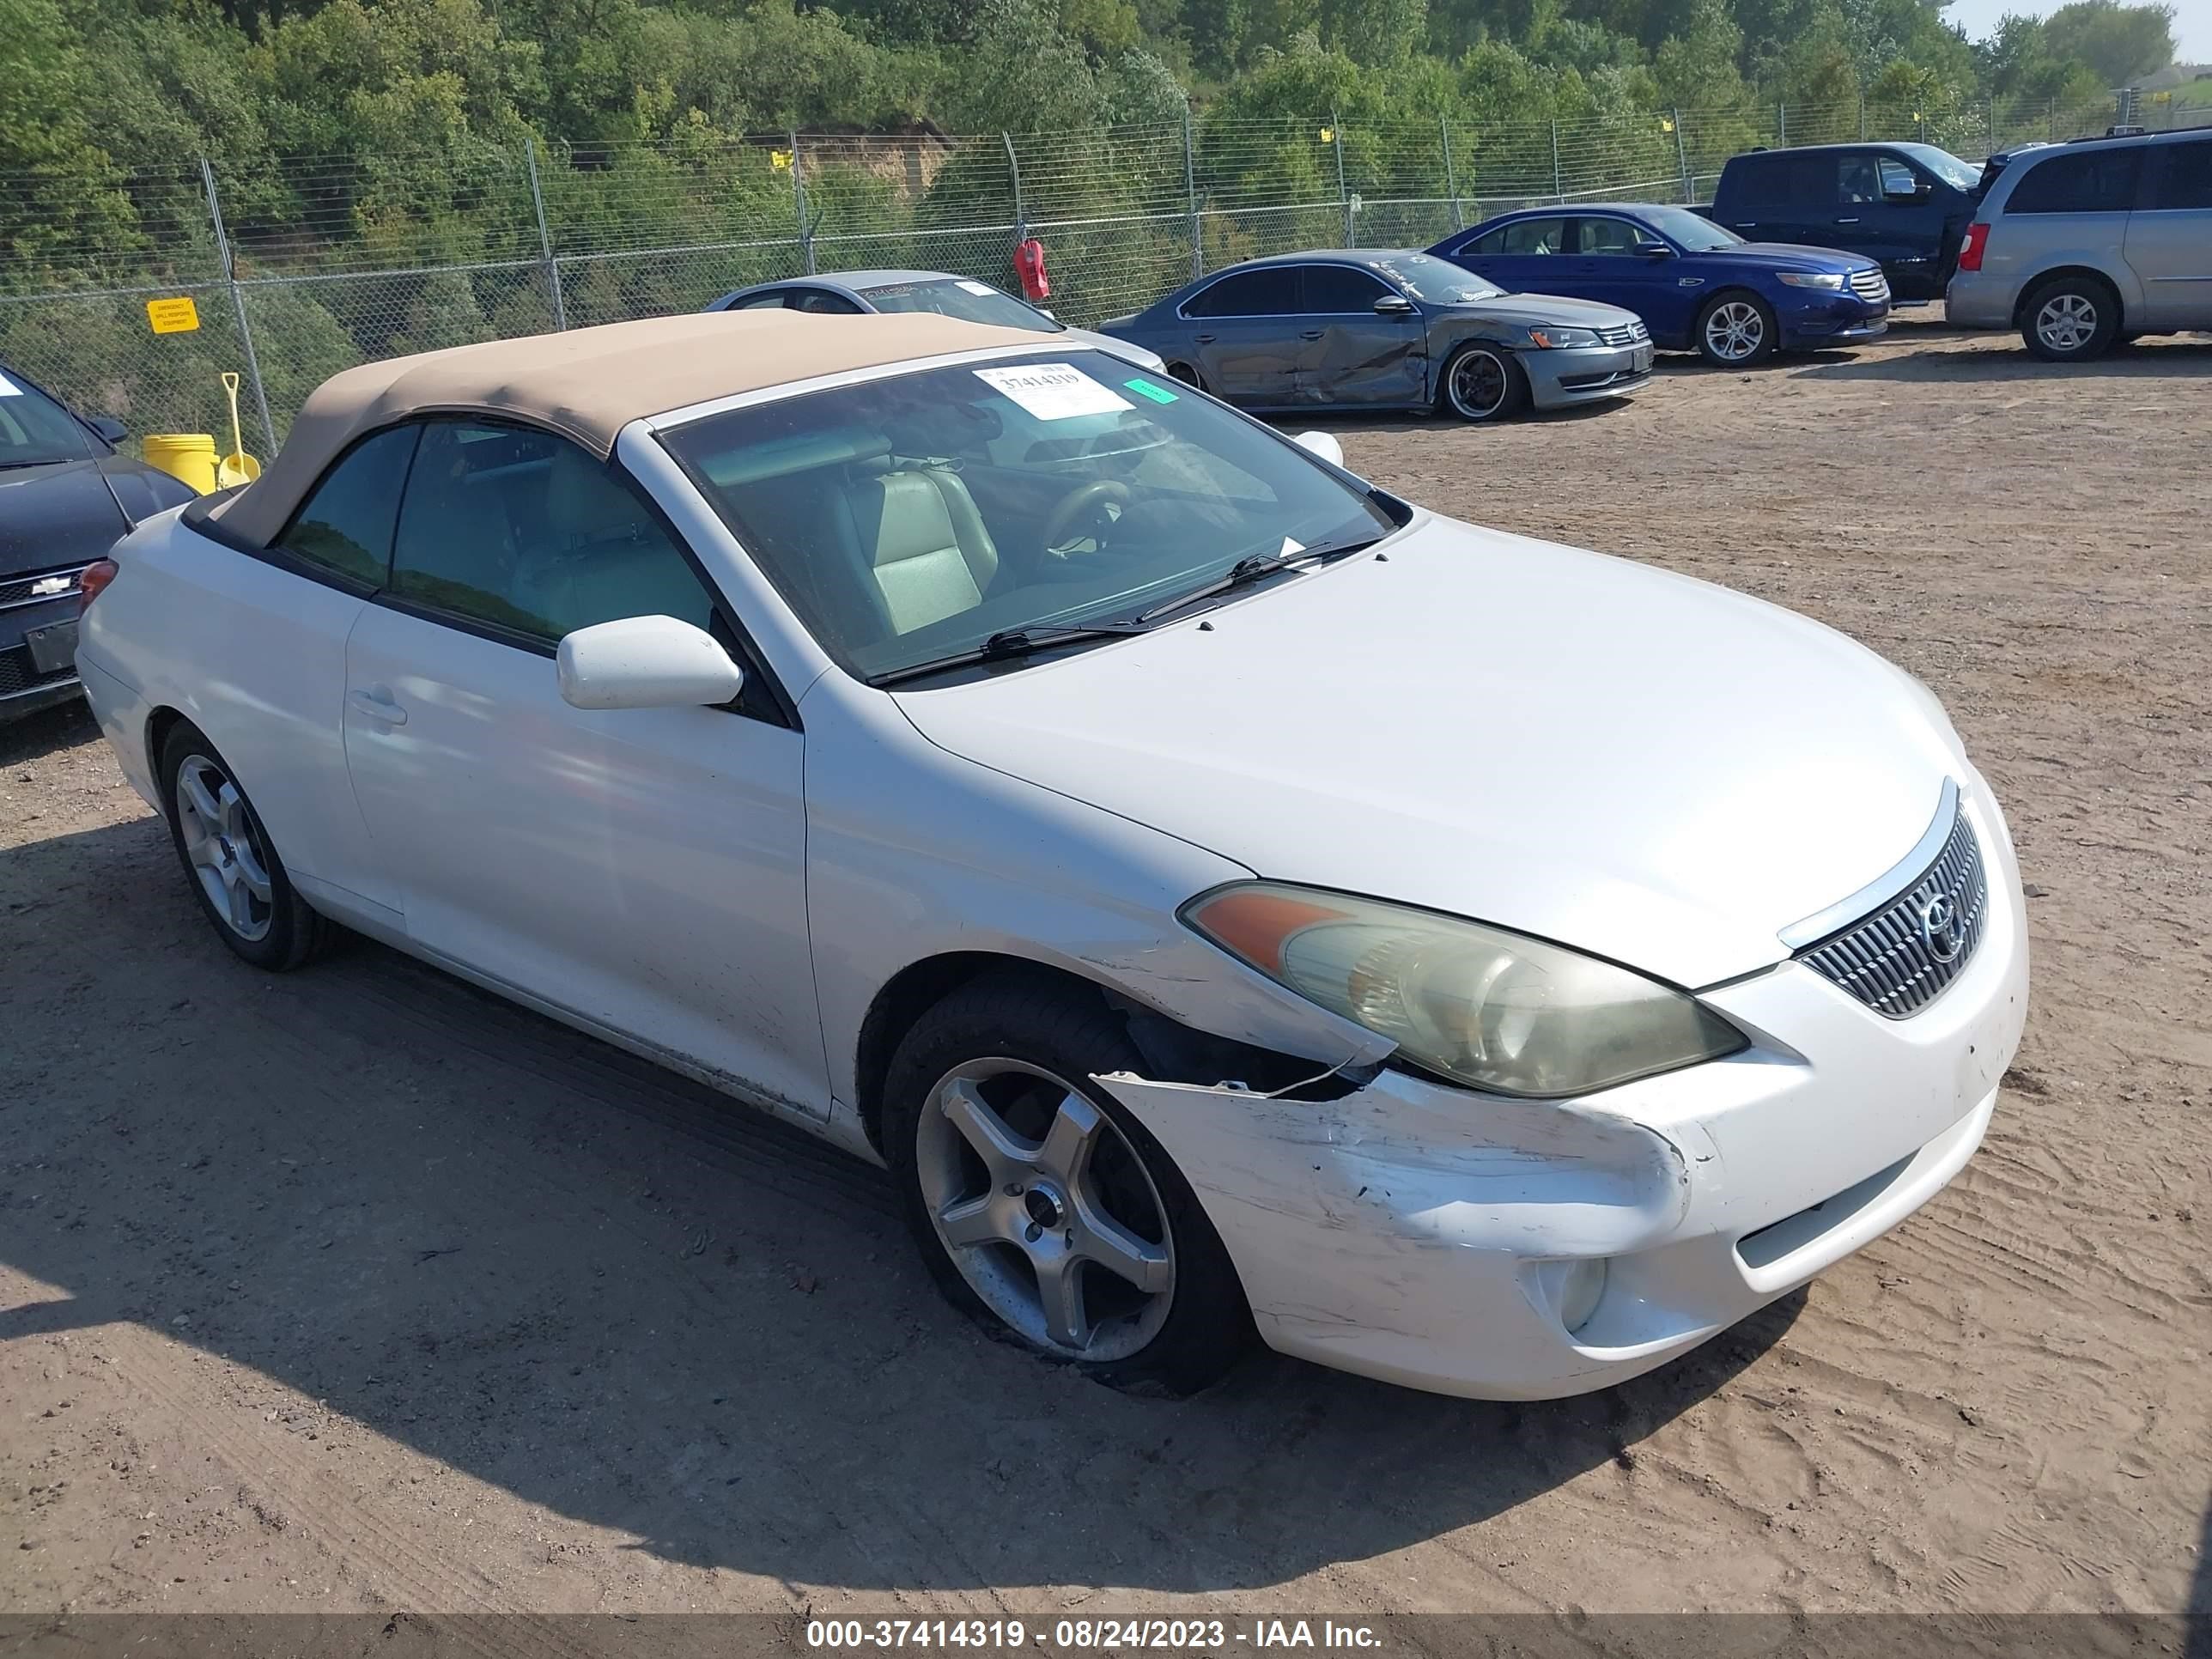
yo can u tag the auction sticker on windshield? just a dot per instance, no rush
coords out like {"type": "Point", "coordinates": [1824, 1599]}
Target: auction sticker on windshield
{"type": "Point", "coordinates": [1053, 392]}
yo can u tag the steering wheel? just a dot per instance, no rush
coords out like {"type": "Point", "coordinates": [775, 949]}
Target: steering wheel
{"type": "Point", "coordinates": [1102, 500]}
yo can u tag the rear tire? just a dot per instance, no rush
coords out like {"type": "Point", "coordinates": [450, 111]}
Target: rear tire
{"type": "Point", "coordinates": [229, 862]}
{"type": "Point", "coordinates": [1481, 384]}
{"type": "Point", "coordinates": [1021, 1178]}
{"type": "Point", "coordinates": [2069, 319]}
{"type": "Point", "coordinates": [1187, 374]}
{"type": "Point", "coordinates": [1736, 330]}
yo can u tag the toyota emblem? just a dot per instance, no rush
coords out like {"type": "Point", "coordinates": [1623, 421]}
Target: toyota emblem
{"type": "Point", "coordinates": [1942, 928]}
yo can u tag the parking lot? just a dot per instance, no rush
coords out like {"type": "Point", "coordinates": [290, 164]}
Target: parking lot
{"type": "Point", "coordinates": [355, 1289]}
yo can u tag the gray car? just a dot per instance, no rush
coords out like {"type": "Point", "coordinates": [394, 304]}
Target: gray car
{"type": "Point", "coordinates": [2083, 246]}
{"type": "Point", "coordinates": [846, 293]}
{"type": "Point", "coordinates": [1387, 328]}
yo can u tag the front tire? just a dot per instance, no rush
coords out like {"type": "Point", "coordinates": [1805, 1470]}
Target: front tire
{"type": "Point", "coordinates": [232, 866]}
{"type": "Point", "coordinates": [2070, 319]}
{"type": "Point", "coordinates": [1045, 1211]}
{"type": "Point", "coordinates": [1482, 383]}
{"type": "Point", "coordinates": [1734, 330]}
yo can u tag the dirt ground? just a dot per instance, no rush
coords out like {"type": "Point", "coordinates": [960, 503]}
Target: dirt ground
{"type": "Point", "coordinates": [357, 1290]}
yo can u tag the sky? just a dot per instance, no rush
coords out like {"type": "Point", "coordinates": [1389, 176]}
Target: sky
{"type": "Point", "coordinates": [2192, 21]}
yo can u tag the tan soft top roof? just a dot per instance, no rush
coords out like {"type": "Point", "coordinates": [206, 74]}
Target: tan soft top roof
{"type": "Point", "coordinates": [589, 383]}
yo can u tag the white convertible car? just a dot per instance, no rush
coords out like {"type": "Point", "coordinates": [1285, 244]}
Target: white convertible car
{"type": "Point", "coordinates": [1231, 900]}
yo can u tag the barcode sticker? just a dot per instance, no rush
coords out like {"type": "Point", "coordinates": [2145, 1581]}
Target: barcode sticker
{"type": "Point", "coordinates": [1053, 392]}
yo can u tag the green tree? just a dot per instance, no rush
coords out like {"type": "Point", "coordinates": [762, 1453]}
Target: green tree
{"type": "Point", "coordinates": [2121, 44]}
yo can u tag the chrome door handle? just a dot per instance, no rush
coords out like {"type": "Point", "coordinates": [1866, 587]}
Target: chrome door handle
{"type": "Point", "coordinates": [1746, 224]}
{"type": "Point", "coordinates": [1847, 222]}
{"type": "Point", "coordinates": [378, 705]}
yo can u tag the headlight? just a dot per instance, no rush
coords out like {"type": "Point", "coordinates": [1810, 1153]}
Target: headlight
{"type": "Point", "coordinates": [1811, 279]}
{"type": "Point", "coordinates": [1496, 1010]}
{"type": "Point", "coordinates": [1561, 338]}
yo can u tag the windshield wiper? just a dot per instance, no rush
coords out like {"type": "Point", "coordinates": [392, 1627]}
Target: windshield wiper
{"type": "Point", "coordinates": [1011, 642]}
{"type": "Point", "coordinates": [1246, 571]}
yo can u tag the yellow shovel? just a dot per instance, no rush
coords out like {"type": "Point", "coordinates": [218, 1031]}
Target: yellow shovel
{"type": "Point", "coordinates": [238, 467]}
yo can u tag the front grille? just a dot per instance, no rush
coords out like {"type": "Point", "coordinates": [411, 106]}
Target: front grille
{"type": "Point", "coordinates": [1871, 285]}
{"type": "Point", "coordinates": [1892, 961]}
{"type": "Point", "coordinates": [18, 674]}
{"type": "Point", "coordinates": [1627, 334]}
{"type": "Point", "coordinates": [21, 590]}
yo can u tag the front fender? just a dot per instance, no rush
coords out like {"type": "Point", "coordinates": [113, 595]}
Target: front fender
{"type": "Point", "coordinates": [1055, 881]}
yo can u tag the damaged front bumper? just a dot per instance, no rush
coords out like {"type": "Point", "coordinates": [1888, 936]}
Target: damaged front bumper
{"type": "Point", "coordinates": [1416, 1232]}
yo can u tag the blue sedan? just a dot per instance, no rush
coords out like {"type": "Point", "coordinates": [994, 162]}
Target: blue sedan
{"type": "Point", "coordinates": [1697, 287]}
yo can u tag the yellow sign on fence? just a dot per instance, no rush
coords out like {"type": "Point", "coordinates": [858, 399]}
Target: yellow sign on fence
{"type": "Point", "coordinates": [780, 160]}
{"type": "Point", "coordinates": [177, 316]}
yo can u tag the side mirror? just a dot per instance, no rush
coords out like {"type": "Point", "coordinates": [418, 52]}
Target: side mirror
{"type": "Point", "coordinates": [645, 662]}
{"type": "Point", "coordinates": [1394, 305]}
{"type": "Point", "coordinates": [107, 429]}
{"type": "Point", "coordinates": [1654, 250]}
{"type": "Point", "coordinates": [1323, 444]}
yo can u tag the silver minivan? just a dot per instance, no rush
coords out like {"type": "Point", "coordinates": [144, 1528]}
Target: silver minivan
{"type": "Point", "coordinates": [2084, 246]}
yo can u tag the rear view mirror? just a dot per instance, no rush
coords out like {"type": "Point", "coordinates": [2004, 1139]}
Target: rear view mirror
{"type": "Point", "coordinates": [1654, 250]}
{"type": "Point", "coordinates": [1323, 444]}
{"type": "Point", "coordinates": [1394, 305]}
{"type": "Point", "coordinates": [107, 429]}
{"type": "Point", "coordinates": [645, 662]}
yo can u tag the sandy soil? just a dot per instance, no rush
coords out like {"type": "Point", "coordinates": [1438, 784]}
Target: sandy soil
{"type": "Point", "coordinates": [356, 1290]}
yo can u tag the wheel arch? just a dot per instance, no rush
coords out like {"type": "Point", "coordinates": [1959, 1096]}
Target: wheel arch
{"type": "Point", "coordinates": [1174, 1052]}
{"type": "Point", "coordinates": [164, 719]}
{"type": "Point", "coordinates": [2036, 284]}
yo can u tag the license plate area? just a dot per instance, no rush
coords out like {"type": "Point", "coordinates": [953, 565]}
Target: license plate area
{"type": "Point", "coordinates": [53, 647]}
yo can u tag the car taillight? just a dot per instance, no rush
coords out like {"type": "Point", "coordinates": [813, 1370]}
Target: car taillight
{"type": "Point", "coordinates": [1970, 250]}
{"type": "Point", "coordinates": [92, 582]}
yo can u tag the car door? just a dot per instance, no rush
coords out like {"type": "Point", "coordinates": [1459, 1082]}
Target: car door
{"type": "Point", "coordinates": [1353, 354]}
{"type": "Point", "coordinates": [275, 627]}
{"type": "Point", "coordinates": [1521, 256]}
{"type": "Point", "coordinates": [641, 868]}
{"type": "Point", "coordinates": [1244, 333]}
{"type": "Point", "coordinates": [1607, 266]}
{"type": "Point", "coordinates": [1898, 221]}
{"type": "Point", "coordinates": [2169, 236]}
{"type": "Point", "coordinates": [1783, 196]}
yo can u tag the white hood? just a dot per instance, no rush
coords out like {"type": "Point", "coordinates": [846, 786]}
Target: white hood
{"type": "Point", "coordinates": [1632, 762]}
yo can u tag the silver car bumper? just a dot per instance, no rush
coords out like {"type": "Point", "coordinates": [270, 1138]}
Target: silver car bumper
{"type": "Point", "coordinates": [1976, 299]}
{"type": "Point", "coordinates": [1583, 375]}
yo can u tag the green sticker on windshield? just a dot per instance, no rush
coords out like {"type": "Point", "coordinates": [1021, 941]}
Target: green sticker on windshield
{"type": "Point", "coordinates": [1143, 388]}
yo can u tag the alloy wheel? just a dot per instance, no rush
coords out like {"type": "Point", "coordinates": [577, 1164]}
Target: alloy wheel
{"type": "Point", "coordinates": [223, 845]}
{"type": "Point", "coordinates": [1478, 384]}
{"type": "Point", "coordinates": [1735, 331]}
{"type": "Point", "coordinates": [1045, 1209]}
{"type": "Point", "coordinates": [2067, 322]}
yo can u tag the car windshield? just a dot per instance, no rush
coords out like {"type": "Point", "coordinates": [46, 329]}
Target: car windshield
{"type": "Point", "coordinates": [955, 296]}
{"type": "Point", "coordinates": [1945, 165]}
{"type": "Point", "coordinates": [1690, 232]}
{"type": "Point", "coordinates": [1432, 280]}
{"type": "Point", "coordinates": [35, 429]}
{"type": "Point", "coordinates": [911, 519]}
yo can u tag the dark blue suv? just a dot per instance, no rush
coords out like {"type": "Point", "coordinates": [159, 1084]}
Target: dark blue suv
{"type": "Point", "coordinates": [1697, 287]}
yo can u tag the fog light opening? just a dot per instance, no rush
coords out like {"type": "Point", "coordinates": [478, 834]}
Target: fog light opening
{"type": "Point", "coordinates": [1576, 1288]}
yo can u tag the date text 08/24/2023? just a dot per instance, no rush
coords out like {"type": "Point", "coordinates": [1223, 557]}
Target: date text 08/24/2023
{"type": "Point", "coordinates": [1173, 1635]}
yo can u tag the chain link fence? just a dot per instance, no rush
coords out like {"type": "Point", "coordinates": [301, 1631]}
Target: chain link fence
{"type": "Point", "coordinates": [299, 270]}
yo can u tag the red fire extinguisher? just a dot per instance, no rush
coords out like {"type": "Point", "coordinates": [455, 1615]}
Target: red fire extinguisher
{"type": "Point", "coordinates": [1029, 265]}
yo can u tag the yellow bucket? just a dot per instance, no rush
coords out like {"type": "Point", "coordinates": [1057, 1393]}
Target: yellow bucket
{"type": "Point", "coordinates": [186, 455]}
